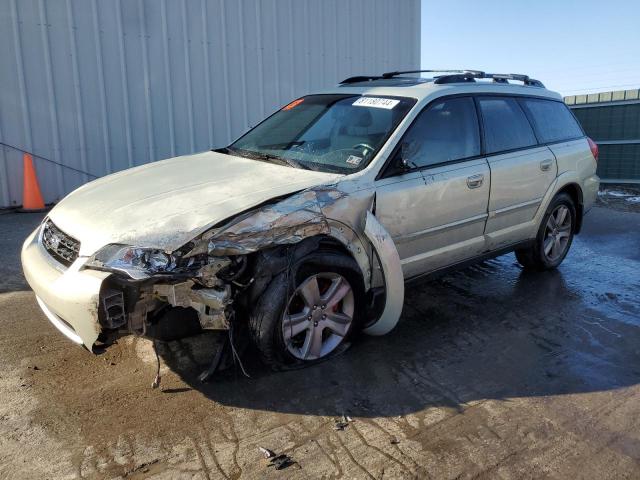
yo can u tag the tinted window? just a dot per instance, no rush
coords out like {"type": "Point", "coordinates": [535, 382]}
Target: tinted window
{"type": "Point", "coordinates": [447, 130]}
{"type": "Point", "coordinates": [552, 120]}
{"type": "Point", "coordinates": [505, 125]}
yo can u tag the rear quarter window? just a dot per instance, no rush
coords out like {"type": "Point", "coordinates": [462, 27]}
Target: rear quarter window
{"type": "Point", "coordinates": [505, 125]}
{"type": "Point", "coordinates": [552, 121]}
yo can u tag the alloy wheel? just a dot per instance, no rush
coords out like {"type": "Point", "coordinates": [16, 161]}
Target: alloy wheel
{"type": "Point", "coordinates": [557, 233]}
{"type": "Point", "coordinates": [318, 316]}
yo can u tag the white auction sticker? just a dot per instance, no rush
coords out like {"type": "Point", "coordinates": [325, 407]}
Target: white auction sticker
{"type": "Point", "coordinates": [353, 160]}
{"type": "Point", "coordinates": [376, 102]}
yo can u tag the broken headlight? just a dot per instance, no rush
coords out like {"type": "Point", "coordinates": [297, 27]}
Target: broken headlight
{"type": "Point", "coordinates": [139, 263]}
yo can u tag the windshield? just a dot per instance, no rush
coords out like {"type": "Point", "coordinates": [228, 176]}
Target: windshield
{"type": "Point", "coordinates": [329, 133]}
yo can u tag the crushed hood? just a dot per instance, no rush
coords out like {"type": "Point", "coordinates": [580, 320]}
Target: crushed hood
{"type": "Point", "coordinates": [167, 203]}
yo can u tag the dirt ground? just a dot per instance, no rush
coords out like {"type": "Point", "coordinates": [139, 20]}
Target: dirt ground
{"type": "Point", "coordinates": [491, 373]}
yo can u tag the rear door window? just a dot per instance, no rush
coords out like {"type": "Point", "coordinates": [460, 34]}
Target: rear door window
{"type": "Point", "coordinates": [446, 131]}
{"type": "Point", "coordinates": [552, 121]}
{"type": "Point", "coordinates": [505, 125]}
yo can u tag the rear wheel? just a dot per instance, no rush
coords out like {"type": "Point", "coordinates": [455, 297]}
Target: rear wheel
{"type": "Point", "coordinates": [554, 237]}
{"type": "Point", "coordinates": [308, 313]}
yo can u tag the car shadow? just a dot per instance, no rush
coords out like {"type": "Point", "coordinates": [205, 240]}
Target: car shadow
{"type": "Point", "coordinates": [491, 331]}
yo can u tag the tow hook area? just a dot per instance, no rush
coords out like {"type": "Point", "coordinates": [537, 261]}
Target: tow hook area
{"type": "Point", "coordinates": [113, 307]}
{"type": "Point", "coordinates": [171, 311]}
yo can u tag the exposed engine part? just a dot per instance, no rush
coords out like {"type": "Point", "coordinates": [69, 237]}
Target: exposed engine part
{"type": "Point", "coordinates": [215, 298]}
{"type": "Point", "coordinates": [113, 304]}
{"type": "Point", "coordinates": [210, 303]}
{"type": "Point", "coordinates": [235, 269]}
{"type": "Point", "coordinates": [177, 294]}
{"type": "Point", "coordinates": [207, 275]}
{"type": "Point", "coordinates": [146, 304]}
{"type": "Point", "coordinates": [211, 319]}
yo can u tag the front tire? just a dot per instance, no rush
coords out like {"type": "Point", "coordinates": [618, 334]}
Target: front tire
{"type": "Point", "coordinates": [554, 237]}
{"type": "Point", "coordinates": [309, 311]}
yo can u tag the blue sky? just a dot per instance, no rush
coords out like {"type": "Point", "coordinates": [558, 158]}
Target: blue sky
{"type": "Point", "coordinates": [573, 47]}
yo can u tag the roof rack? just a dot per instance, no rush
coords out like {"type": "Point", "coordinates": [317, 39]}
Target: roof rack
{"type": "Point", "coordinates": [387, 75]}
{"type": "Point", "coordinates": [361, 78]}
{"type": "Point", "coordinates": [471, 76]}
{"type": "Point", "coordinates": [445, 70]}
{"type": "Point", "coordinates": [452, 76]}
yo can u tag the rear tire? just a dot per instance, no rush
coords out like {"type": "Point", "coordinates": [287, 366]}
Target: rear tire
{"type": "Point", "coordinates": [554, 237]}
{"type": "Point", "coordinates": [285, 326]}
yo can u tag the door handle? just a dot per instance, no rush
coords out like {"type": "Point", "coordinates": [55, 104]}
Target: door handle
{"type": "Point", "coordinates": [475, 181]}
{"type": "Point", "coordinates": [545, 165]}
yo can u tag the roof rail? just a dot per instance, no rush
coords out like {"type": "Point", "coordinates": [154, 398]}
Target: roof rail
{"type": "Point", "coordinates": [470, 76]}
{"type": "Point", "coordinates": [361, 78]}
{"type": "Point", "coordinates": [452, 76]}
{"type": "Point", "coordinates": [387, 75]}
{"type": "Point", "coordinates": [445, 70]}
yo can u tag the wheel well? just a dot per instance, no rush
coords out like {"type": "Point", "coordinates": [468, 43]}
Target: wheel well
{"type": "Point", "coordinates": [266, 264]}
{"type": "Point", "coordinates": [575, 192]}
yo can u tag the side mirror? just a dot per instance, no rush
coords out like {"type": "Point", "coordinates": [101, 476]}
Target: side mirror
{"type": "Point", "coordinates": [407, 152]}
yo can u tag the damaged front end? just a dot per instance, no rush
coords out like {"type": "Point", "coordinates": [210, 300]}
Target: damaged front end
{"type": "Point", "coordinates": [214, 280]}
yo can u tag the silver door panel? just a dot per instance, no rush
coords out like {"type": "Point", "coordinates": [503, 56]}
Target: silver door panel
{"type": "Point", "coordinates": [513, 215]}
{"type": "Point", "coordinates": [438, 219]}
{"type": "Point", "coordinates": [519, 180]}
{"type": "Point", "coordinates": [454, 246]}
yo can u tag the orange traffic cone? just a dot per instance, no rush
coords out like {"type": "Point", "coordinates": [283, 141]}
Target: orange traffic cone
{"type": "Point", "coordinates": [31, 196]}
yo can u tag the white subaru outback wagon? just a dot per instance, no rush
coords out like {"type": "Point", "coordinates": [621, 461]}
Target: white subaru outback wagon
{"type": "Point", "coordinates": [305, 230]}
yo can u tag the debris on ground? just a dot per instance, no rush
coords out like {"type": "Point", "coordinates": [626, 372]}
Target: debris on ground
{"type": "Point", "coordinates": [281, 461]}
{"type": "Point", "coordinates": [266, 452]}
{"type": "Point", "coordinates": [343, 423]}
{"type": "Point", "coordinates": [278, 461]}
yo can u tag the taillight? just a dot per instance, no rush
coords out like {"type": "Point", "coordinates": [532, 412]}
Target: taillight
{"type": "Point", "coordinates": [594, 148]}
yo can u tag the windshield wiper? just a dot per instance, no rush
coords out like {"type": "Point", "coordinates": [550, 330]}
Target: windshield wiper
{"type": "Point", "coordinates": [284, 161]}
{"type": "Point", "coordinates": [267, 157]}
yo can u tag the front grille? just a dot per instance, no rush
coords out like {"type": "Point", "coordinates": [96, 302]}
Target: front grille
{"type": "Point", "coordinates": [60, 246]}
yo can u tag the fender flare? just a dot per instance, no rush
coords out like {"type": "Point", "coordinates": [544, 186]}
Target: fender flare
{"type": "Point", "coordinates": [392, 274]}
{"type": "Point", "coordinates": [352, 242]}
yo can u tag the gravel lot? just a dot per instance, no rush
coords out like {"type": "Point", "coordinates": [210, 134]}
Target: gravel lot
{"type": "Point", "coordinates": [491, 373]}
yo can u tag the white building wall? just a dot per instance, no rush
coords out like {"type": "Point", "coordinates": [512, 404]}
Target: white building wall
{"type": "Point", "coordinates": [97, 86]}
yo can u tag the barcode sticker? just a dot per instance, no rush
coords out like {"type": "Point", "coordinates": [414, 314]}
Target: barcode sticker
{"type": "Point", "coordinates": [376, 102]}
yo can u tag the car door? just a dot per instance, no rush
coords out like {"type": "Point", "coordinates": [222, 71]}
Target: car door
{"type": "Point", "coordinates": [433, 199]}
{"type": "Point", "coordinates": [521, 170]}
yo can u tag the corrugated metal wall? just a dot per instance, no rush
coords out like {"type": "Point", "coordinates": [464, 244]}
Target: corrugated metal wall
{"type": "Point", "coordinates": [612, 120]}
{"type": "Point", "coordinates": [102, 85]}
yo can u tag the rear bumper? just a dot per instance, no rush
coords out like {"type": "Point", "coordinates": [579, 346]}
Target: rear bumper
{"type": "Point", "coordinates": [590, 189]}
{"type": "Point", "coordinates": [69, 297]}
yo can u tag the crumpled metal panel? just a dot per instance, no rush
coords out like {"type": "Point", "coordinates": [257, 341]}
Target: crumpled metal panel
{"type": "Point", "coordinates": [316, 211]}
{"type": "Point", "coordinates": [287, 222]}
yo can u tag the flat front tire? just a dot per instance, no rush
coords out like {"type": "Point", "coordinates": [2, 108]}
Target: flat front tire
{"type": "Point", "coordinates": [309, 311]}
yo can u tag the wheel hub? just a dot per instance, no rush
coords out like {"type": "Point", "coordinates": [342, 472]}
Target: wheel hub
{"type": "Point", "coordinates": [557, 233]}
{"type": "Point", "coordinates": [318, 316]}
